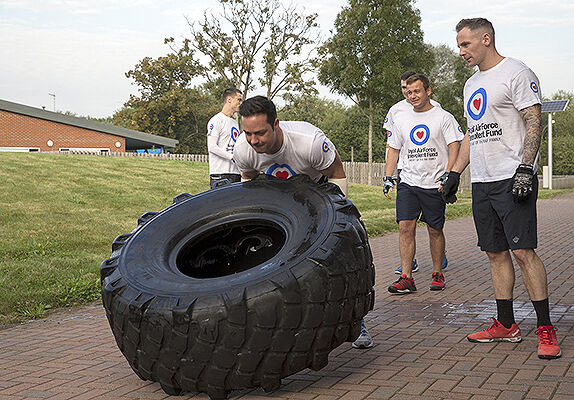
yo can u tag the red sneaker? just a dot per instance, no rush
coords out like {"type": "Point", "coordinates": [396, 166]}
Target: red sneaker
{"type": "Point", "coordinates": [403, 286]}
{"type": "Point", "coordinates": [496, 333]}
{"type": "Point", "coordinates": [547, 343]}
{"type": "Point", "coordinates": [437, 281]}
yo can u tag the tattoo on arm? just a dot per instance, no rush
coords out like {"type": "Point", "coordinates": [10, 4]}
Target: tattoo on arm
{"type": "Point", "coordinates": [532, 119]}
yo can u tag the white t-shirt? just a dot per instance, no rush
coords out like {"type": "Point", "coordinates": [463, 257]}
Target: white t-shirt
{"type": "Point", "coordinates": [393, 114]}
{"type": "Point", "coordinates": [305, 150]}
{"type": "Point", "coordinates": [423, 139]}
{"type": "Point", "coordinates": [222, 132]}
{"type": "Point", "coordinates": [496, 131]}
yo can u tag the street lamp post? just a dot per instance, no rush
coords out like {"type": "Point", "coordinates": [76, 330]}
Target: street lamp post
{"type": "Point", "coordinates": [54, 96]}
{"type": "Point", "coordinates": [550, 150]}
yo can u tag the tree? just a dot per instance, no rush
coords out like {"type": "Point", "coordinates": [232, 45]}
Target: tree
{"type": "Point", "coordinates": [348, 138]}
{"type": "Point", "coordinates": [249, 33]}
{"type": "Point", "coordinates": [374, 42]}
{"type": "Point", "coordinates": [312, 109]}
{"type": "Point", "coordinates": [327, 115]}
{"type": "Point", "coordinates": [448, 77]}
{"type": "Point", "coordinates": [166, 105]}
{"type": "Point", "coordinates": [175, 70]}
{"type": "Point", "coordinates": [340, 123]}
{"type": "Point", "coordinates": [283, 68]}
{"type": "Point", "coordinates": [181, 113]}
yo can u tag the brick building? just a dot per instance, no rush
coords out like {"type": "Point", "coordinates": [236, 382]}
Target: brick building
{"type": "Point", "coordinates": [24, 128]}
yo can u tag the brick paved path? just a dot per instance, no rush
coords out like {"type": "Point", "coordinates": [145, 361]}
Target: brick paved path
{"type": "Point", "coordinates": [420, 352]}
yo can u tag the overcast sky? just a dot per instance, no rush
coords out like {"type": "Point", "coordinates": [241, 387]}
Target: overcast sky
{"type": "Point", "coordinates": [79, 50]}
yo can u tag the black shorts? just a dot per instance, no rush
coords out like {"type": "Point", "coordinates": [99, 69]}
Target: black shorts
{"type": "Point", "coordinates": [502, 224]}
{"type": "Point", "coordinates": [233, 178]}
{"type": "Point", "coordinates": [413, 201]}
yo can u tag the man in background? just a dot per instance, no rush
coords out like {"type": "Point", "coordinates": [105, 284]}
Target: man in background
{"type": "Point", "coordinates": [429, 139]}
{"type": "Point", "coordinates": [222, 132]}
{"type": "Point", "coordinates": [392, 115]}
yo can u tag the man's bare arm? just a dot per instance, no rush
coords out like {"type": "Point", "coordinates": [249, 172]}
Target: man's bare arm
{"type": "Point", "coordinates": [463, 157]}
{"type": "Point", "coordinates": [336, 174]}
{"type": "Point", "coordinates": [453, 149]}
{"type": "Point", "coordinates": [391, 162]}
{"type": "Point", "coordinates": [335, 170]}
{"type": "Point", "coordinates": [246, 176]}
{"type": "Point", "coordinates": [532, 119]}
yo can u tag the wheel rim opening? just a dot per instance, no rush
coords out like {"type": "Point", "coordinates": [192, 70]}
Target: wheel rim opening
{"type": "Point", "coordinates": [230, 248]}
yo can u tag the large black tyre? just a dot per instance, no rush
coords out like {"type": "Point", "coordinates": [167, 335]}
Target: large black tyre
{"type": "Point", "coordinates": [239, 286]}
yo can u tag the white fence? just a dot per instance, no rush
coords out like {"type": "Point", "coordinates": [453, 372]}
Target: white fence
{"type": "Point", "coordinates": [164, 156]}
{"type": "Point", "coordinates": [357, 172]}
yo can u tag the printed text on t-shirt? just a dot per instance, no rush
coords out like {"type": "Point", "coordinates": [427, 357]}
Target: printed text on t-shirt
{"type": "Point", "coordinates": [422, 153]}
{"type": "Point", "coordinates": [490, 131]}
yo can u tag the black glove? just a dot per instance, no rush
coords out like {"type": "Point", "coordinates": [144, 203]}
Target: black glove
{"type": "Point", "coordinates": [442, 179]}
{"type": "Point", "coordinates": [388, 184]}
{"type": "Point", "coordinates": [450, 186]}
{"type": "Point", "coordinates": [521, 183]}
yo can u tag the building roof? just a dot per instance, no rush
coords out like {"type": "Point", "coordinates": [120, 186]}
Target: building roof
{"type": "Point", "coordinates": [134, 139]}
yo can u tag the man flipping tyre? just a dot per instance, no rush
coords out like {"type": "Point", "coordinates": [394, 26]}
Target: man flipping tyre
{"type": "Point", "coordinates": [283, 149]}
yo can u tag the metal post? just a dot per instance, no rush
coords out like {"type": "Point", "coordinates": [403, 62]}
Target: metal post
{"type": "Point", "coordinates": [54, 96]}
{"type": "Point", "coordinates": [550, 150]}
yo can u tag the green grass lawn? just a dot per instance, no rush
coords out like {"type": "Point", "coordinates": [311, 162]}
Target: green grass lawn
{"type": "Point", "coordinates": [60, 213]}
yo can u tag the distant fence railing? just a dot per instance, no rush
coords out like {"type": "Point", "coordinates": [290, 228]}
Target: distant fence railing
{"type": "Point", "coordinates": [357, 172]}
{"type": "Point", "coordinates": [164, 156]}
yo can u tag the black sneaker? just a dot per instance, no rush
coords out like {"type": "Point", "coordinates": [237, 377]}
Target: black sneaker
{"type": "Point", "coordinates": [438, 282]}
{"type": "Point", "coordinates": [403, 286]}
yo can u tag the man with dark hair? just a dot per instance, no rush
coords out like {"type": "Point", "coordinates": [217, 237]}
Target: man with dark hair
{"type": "Point", "coordinates": [285, 148]}
{"type": "Point", "coordinates": [222, 132]}
{"type": "Point", "coordinates": [477, 24]}
{"type": "Point", "coordinates": [428, 137]}
{"type": "Point", "coordinates": [392, 115]}
{"type": "Point", "coordinates": [502, 107]}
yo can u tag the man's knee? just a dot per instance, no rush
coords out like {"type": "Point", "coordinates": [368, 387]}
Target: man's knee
{"type": "Point", "coordinates": [497, 257]}
{"type": "Point", "coordinates": [407, 227]}
{"type": "Point", "coordinates": [524, 256]}
{"type": "Point", "coordinates": [434, 233]}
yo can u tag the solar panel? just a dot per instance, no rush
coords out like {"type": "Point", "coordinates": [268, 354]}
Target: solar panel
{"type": "Point", "coordinates": [554, 105]}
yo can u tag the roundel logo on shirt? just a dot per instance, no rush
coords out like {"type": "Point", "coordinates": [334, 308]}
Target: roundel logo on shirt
{"type": "Point", "coordinates": [534, 87]}
{"type": "Point", "coordinates": [460, 129]}
{"type": "Point", "coordinates": [282, 171]}
{"type": "Point", "coordinates": [234, 133]}
{"type": "Point", "coordinates": [386, 119]}
{"type": "Point", "coordinates": [389, 134]}
{"type": "Point", "coordinates": [325, 146]}
{"type": "Point", "coordinates": [420, 134]}
{"type": "Point", "coordinates": [476, 106]}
